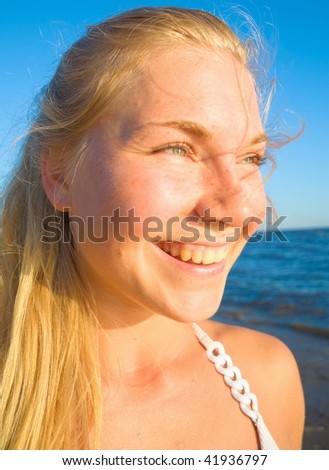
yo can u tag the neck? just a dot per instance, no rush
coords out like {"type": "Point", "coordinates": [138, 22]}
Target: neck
{"type": "Point", "coordinates": [138, 353]}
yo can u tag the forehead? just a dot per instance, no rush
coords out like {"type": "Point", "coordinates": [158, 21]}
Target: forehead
{"type": "Point", "coordinates": [199, 85]}
{"type": "Point", "coordinates": [177, 69]}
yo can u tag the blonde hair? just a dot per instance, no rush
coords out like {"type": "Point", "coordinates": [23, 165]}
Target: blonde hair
{"type": "Point", "coordinates": [49, 358]}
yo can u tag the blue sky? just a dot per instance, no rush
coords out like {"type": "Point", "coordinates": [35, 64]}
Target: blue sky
{"type": "Point", "coordinates": [34, 34]}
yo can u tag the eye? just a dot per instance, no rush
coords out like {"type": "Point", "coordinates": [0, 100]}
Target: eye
{"type": "Point", "coordinates": [177, 150]}
{"type": "Point", "coordinates": [181, 149]}
{"type": "Point", "coordinates": [254, 159]}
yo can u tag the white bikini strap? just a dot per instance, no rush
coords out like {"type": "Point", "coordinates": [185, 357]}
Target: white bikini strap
{"type": "Point", "coordinates": [240, 389]}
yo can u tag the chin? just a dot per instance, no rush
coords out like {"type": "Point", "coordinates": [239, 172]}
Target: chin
{"type": "Point", "coordinates": [193, 308]}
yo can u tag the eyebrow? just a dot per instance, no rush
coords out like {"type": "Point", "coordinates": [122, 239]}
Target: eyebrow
{"type": "Point", "coordinates": [189, 127]}
{"type": "Point", "coordinates": [259, 139]}
{"type": "Point", "coordinates": [198, 130]}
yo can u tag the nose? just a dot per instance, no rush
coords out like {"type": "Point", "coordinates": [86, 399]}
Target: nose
{"type": "Point", "coordinates": [230, 198]}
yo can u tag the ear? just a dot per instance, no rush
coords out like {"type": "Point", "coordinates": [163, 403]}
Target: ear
{"type": "Point", "coordinates": [54, 184]}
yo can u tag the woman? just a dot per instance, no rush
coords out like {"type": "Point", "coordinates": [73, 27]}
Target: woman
{"type": "Point", "coordinates": [139, 187]}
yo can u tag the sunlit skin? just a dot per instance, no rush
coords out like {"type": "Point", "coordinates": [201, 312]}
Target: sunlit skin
{"type": "Point", "coordinates": [213, 167]}
{"type": "Point", "coordinates": [188, 140]}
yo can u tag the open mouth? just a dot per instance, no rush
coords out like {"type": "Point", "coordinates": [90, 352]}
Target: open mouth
{"type": "Point", "coordinates": [195, 254]}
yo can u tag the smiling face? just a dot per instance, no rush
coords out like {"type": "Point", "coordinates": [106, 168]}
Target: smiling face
{"type": "Point", "coordinates": [181, 154]}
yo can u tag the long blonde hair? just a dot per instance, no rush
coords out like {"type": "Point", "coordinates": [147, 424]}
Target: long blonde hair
{"type": "Point", "coordinates": [49, 359]}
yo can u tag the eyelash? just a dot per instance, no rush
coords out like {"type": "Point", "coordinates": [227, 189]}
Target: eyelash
{"type": "Point", "coordinates": [257, 159]}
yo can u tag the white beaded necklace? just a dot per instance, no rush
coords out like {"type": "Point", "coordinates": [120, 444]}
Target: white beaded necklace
{"type": "Point", "coordinates": [240, 389]}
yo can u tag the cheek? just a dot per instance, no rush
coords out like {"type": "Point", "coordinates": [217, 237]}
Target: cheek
{"type": "Point", "coordinates": [139, 200]}
{"type": "Point", "coordinates": [154, 190]}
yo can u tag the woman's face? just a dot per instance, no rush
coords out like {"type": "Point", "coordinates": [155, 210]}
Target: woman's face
{"type": "Point", "coordinates": [170, 187]}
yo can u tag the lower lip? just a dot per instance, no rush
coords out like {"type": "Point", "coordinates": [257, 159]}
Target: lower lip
{"type": "Point", "coordinates": [203, 270]}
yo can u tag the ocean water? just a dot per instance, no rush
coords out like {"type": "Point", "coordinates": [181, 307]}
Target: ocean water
{"type": "Point", "coordinates": [281, 283]}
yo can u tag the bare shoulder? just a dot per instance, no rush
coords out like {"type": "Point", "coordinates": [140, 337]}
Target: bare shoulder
{"type": "Point", "coordinates": [249, 344]}
{"type": "Point", "coordinates": [272, 372]}
{"type": "Point", "coordinates": [252, 348]}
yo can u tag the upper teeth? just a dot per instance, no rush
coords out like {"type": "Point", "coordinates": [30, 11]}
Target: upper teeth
{"type": "Point", "coordinates": [199, 254]}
